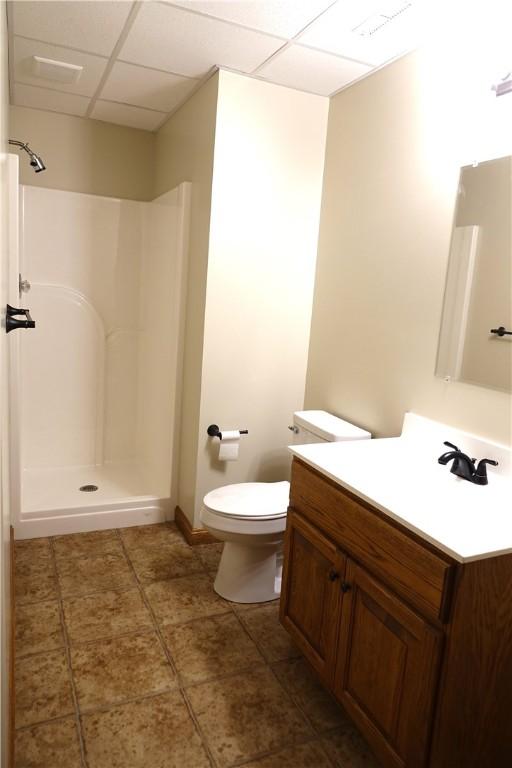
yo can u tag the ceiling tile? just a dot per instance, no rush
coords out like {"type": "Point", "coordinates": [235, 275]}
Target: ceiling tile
{"type": "Point", "coordinates": [146, 87]}
{"type": "Point", "coordinates": [122, 114]}
{"type": "Point", "coordinates": [334, 31]}
{"type": "Point", "coordinates": [284, 18]}
{"type": "Point", "coordinates": [185, 43]}
{"type": "Point", "coordinates": [310, 70]}
{"type": "Point", "coordinates": [24, 49]}
{"type": "Point", "coordinates": [53, 101]}
{"type": "Point", "coordinates": [90, 26]}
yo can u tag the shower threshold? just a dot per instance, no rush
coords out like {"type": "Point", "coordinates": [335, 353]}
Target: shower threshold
{"type": "Point", "coordinates": [52, 502]}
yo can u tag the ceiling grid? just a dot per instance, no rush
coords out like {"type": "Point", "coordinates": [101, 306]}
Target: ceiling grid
{"type": "Point", "coordinates": [141, 60]}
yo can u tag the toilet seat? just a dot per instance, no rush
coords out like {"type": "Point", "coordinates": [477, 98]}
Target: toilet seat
{"type": "Point", "coordinates": [249, 501]}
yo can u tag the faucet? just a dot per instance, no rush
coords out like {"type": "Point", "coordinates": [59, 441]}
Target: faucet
{"type": "Point", "coordinates": [464, 467]}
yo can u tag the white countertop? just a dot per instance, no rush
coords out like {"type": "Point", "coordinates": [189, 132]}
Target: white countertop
{"type": "Point", "coordinates": [401, 477]}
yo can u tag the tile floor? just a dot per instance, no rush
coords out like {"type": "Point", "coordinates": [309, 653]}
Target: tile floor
{"type": "Point", "coordinates": [127, 658]}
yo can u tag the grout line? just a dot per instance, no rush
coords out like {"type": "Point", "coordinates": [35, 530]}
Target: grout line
{"type": "Point", "coordinates": [83, 51]}
{"type": "Point", "coordinates": [89, 97]}
{"type": "Point", "coordinates": [314, 735]}
{"type": "Point", "coordinates": [276, 751]}
{"type": "Point", "coordinates": [67, 651]}
{"type": "Point", "coordinates": [130, 700]}
{"type": "Point", "coordinates": [145, 630]}
{"type": "Point", "coordinates": [36, 724]}
{"type": "Point", "coordinates": [211, 17]}
{"type": "Point", "coordinates": [136, 6]}
{"type": "Point", "coordinates": [226, 676]}
{"type": "Point", "coordinates": [294, 39]}
{"type": "Point", "coordinates": [169, 657]}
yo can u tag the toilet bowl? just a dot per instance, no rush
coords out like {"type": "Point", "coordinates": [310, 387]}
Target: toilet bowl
{"type": "Point", "coordinates": [251, 519]}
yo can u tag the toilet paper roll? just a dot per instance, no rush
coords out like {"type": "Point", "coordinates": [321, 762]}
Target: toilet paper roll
{"type": "Point", "coordinates": [228, 447]}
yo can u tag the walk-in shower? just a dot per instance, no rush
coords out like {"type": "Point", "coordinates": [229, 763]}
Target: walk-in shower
{"type": "Point", "coordinates": [96, 383]}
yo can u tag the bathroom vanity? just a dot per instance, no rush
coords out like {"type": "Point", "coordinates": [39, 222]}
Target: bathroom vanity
{"type": "Point", "coordinates": [405, 615]}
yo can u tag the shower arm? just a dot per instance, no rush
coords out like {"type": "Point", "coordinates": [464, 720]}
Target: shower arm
{"type": "Point", "coordinates": [35, 161]}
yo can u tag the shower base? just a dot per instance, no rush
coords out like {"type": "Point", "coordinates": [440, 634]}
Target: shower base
{"type": "Point", "coordinates": [52, 502]}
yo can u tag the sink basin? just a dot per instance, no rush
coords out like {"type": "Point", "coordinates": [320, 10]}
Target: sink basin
{"type": "Point", "coordinates": [401, 477]}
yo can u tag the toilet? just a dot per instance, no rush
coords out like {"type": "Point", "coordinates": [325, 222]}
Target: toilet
{"type": "Point", "coordinates": [251, 518]}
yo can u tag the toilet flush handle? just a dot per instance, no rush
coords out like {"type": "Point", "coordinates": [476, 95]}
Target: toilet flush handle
{"type": "Point", "coordinates": [294, 429]}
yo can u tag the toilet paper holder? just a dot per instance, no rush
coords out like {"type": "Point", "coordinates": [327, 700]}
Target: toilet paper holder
{"type": "Point", "coordinates": [214, 431]}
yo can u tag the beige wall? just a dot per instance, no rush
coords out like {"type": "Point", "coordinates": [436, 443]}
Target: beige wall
{"type": "Point", "coordinates": [184, 152]}
{"type": "Point", "coordinates": [395, 144]}
{"type": "Point", "coordinates": [267, 182]}
{"type": "Point", "coordinates": [84, 155]}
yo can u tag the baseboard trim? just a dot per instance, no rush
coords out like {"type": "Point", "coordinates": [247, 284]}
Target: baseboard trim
{"type": "Point", "coordinates": [12, 650]}
{"type": "Point", "coordinates": [192, 535]}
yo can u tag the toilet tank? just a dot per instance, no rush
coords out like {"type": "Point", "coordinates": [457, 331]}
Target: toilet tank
{"type": "Point", "coordinates": [323, 427]}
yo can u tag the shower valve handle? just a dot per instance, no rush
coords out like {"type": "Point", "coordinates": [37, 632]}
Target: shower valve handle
{"type": "Point", "coordinates": [12, 322]}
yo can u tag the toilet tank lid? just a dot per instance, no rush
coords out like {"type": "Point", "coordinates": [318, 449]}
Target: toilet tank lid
{"type": "Point", "coordinates": [329, 427]}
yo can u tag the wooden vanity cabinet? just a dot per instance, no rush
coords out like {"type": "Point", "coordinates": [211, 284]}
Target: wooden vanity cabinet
{"type": "Point", "coordinates": [386, 668]}
{"type": "Point", "coordinates": [385, 619]}
{"type": "Point", "coordinates": [314, 569]}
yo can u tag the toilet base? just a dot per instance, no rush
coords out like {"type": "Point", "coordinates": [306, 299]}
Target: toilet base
{"type": "Point", "coordinates": [249, 574]}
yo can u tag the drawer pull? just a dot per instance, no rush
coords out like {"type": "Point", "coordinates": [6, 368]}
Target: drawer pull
{"type": "Point", "coordinates": [345, 587]}
{"type": "Point", "coordinates": [333, 575]}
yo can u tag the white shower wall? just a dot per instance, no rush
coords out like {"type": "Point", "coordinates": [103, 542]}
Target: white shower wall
{"type": "Point", "coordinates": [99, 374]}
{"type": "Point", "coordinates": [81, 254]}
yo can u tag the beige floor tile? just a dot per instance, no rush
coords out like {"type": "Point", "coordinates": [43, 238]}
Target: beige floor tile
{"type": "Point", "coordinates": [105, 615]}
{"type": "Point", "coordinates": [111, 671]}
{"type": "Point", "coordinates": [246, 715]}
{"type": "Point", "coordinates": [38, 628]}
{"type": "Point", "coordinates": [210, 647]}
{"type": "Point", "coordinates": [35, 579]}
{"type": "Point", "coordinates": [150, 535]}
{"type": "Point", "coordinates": [309, 755]}
{"type": "Point", "coordinates": [43, 688]}
{"type": "Point", "coordinates": [165, 561]}
{"type": "Point", "coordinates": [30, 549]}
{"type": "Point", "coordinates": [184, 599]}
{"type": "Point", "coordinates": [265, 629]}
{"type": "Point", "coordinates": [309, 694]}
{"type": "Point", "coordinates": [243, 607]}
{"type": "Point", "coordinates": [86, 544]}
{"type": "Point", "coordinates": [347, 748]}
{"type": "Point", "coordinates": [157, 732]}
{"type": "Point", "coordinates": [210, 555]}
{"type": "Point", "coordinates": [52, 745]}
{"type": "Point", "coordinates": [81, 575]}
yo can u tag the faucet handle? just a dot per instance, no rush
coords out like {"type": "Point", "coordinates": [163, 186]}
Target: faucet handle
{"type": "Point", "coordinates": [480, 477]}
{"type": "Point", "coordinates": [451, 445]}
{"type": "Point", "coordinates": [449, 455]}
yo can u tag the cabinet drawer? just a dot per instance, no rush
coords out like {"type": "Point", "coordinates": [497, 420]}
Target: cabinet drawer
{"type": "Point", "coordinates": [412, 570]}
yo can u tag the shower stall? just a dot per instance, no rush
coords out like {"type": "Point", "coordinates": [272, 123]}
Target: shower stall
{"type": "Point", "coordinates": [96, 385]}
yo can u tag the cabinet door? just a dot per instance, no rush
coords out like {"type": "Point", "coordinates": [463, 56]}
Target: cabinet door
{"type": "Point", "coordinates": [387, 669]}
{"type": "Point", "coordinates": [311, 596]}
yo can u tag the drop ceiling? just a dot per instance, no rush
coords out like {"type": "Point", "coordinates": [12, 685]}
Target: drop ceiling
{"type": "Point", "coordinates": [142, 60]}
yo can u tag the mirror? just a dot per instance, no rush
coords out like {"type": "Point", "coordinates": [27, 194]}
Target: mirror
{"type": "Point", "coordinates": [478, 292]}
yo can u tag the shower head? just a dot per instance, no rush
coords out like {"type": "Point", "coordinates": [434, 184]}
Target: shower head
{"type": "Point", "coordinates": [35, 161]}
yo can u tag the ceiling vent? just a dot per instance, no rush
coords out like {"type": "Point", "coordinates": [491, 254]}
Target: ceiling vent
{"type": "Point", "coordinates": [378, 21]}
{"type": "Point", "coordinates": [504, 85]}
{"type": "Point", "coordinates": [58, 71]}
